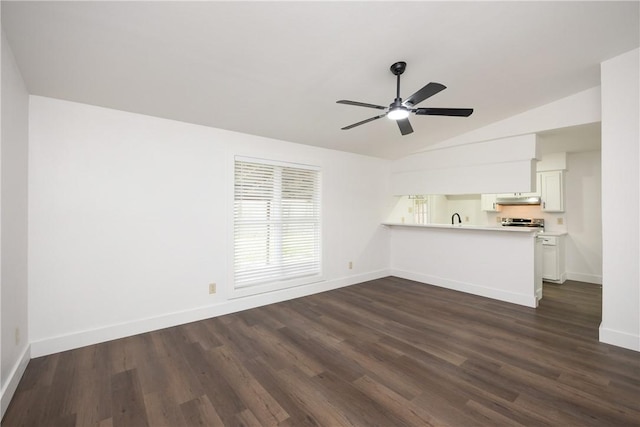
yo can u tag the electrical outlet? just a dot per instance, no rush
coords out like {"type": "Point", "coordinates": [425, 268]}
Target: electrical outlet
{"type": "Point", "coordinates": [212, 288]}
{"type": "Point", "coordinates": [410, 209]}
{"type": "Point", "coordinates": [466, 219]}
{"type": "Point", "coordinates": [350, 265]}
{"type": "Point", "coordinates": [17, 336]}
{"type": "Point", "coordinates": [560, 221]}
{"type": "Point", "coordinates": [498, 219]}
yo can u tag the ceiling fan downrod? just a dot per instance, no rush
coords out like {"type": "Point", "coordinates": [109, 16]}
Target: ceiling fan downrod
{"type": "Point", "coordinates": [397, 69]}
{"type": "Point", "coordinates": [397, 111]}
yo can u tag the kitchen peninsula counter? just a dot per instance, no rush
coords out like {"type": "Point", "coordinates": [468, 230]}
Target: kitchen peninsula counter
{"type": "Point", "coordinates": [466, 227]}
{"type": "Point", "coordinates": [502, 263]}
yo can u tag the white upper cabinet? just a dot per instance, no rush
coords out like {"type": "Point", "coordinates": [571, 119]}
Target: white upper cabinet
{"type": "Point", "coordinates": [488, 203]}
{"type": "Point", "coordinates": [552, 191]}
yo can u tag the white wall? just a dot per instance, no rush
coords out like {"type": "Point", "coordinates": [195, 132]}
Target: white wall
{"type": "Point", "coordinates": [13, 289]}
{"type": "Point", "coordinates": [130, 220]}
{"type": "Point", "coordinates": [468, 206]}
{"type": "Point", "coordinates": [583, 217]}
{"type": "Point", "coordinates": [577, 109]}
{"type": "Point", "coordinates": [402, 211]}
{"type": "Point", "coordinates": [621, 188]}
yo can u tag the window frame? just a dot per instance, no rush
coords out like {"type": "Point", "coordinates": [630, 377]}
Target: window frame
{"type": "Point", "coordinates": [421, 209]}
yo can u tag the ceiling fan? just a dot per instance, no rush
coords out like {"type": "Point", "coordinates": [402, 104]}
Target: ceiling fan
{"type": "Point", "coordinates": [399, 110]}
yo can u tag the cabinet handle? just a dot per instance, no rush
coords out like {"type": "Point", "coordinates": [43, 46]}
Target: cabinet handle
{"type": "Point", "coordinates": [544, 205]}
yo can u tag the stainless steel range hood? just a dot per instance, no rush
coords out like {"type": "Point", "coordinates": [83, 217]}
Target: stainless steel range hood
{"type": "Point", "coordinates": [518, 200]}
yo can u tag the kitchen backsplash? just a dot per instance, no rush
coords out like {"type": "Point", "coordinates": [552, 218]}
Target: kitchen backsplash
{"type": "Point", "coordinates": [552, 221]}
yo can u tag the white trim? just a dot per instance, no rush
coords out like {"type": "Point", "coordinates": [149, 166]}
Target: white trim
{"type": "Point", "coordinates": [619, 338]}
{"type": "Point", "coordinates": [79, 339]}
{"type": "Point", "coordinates": [275, 286]}
{"type": "Point", "coordinates": [11, 385]}
{"type": "Point", "coordinates": [588, 278]}
{"type": "Point", "coordinates": [470, 288]}
{"type": "Point", "coordinates": [282, 163]}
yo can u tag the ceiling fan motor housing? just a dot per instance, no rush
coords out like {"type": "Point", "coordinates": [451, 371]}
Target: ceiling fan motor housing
{"type": "Point", "coordinates": [397, 103]}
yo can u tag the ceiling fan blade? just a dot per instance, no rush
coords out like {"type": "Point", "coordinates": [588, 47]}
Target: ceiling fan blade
{"type": "Point", "coordinates": [405, 126]}
{"type": "Point", "coordinates": [363, 122]}
{"type": "Point", "coordinates": [361, 104]}
{"type": "Point", "coordinates": [456, 112]}
{"type": "Point", "coordinates": [424, 93]}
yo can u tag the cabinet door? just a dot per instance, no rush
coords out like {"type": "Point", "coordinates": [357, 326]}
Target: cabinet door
{"type": "Point", "coordinates": [488, 203]}
{"type": "Point", "coordinates": [551, 191]}
{"type": "Point", "coordinates": [550, 263]}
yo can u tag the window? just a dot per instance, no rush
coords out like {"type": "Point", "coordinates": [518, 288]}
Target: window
{"type": "Point", "coordinates": [276, 224]}
{"type": "Point", "coordinates": [421, 212]}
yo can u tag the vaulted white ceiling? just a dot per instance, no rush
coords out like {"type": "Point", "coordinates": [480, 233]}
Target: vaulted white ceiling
{"type": "Point", "coordinates": [276, 69]}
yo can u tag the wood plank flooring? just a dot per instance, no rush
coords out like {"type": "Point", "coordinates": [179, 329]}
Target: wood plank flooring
{"type": "Point", "coordinates": [390, 352]}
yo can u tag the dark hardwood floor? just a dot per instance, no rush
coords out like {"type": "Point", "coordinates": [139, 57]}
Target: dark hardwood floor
{"type": "Point", "coordinates": [390, 352]}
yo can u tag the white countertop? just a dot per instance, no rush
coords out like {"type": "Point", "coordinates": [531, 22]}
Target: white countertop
{"type": "Point", "coordinates": [553, 233]}
{"type": "Point", "coordinates": [467, 227]}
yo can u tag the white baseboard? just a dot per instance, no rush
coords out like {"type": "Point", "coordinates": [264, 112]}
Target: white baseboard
{"type": "Point", "coordinates": [79, 339]}
{"type": "Point", "coordinates": [470, 288]}
{"type": "Point", "coordinates": [538, 294]}
{"type": "Point", "coordinates": [620, 339]}
{"type": "Point", "coordinates": [14, 378]}
{"type": "Point", "coordinates": [589, 278]}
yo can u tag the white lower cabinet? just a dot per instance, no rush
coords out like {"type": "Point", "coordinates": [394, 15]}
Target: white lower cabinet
{"type": "Point", "coordinates": [553, 269]}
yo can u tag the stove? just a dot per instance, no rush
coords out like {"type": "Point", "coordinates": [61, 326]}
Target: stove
{"type": "Point", "coordinates": [523, 222]}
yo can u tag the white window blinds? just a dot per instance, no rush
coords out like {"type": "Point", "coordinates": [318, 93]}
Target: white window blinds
{"type": "Point", "coordinates": [276, 223]}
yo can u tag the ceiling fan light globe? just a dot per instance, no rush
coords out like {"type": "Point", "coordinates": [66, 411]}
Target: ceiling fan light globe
{"type": "Point", "coordinates": [398, 114]}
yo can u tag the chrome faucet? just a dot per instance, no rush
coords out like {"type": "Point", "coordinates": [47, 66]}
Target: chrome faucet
{"type": "Point", "coordinates": [453, 216]}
